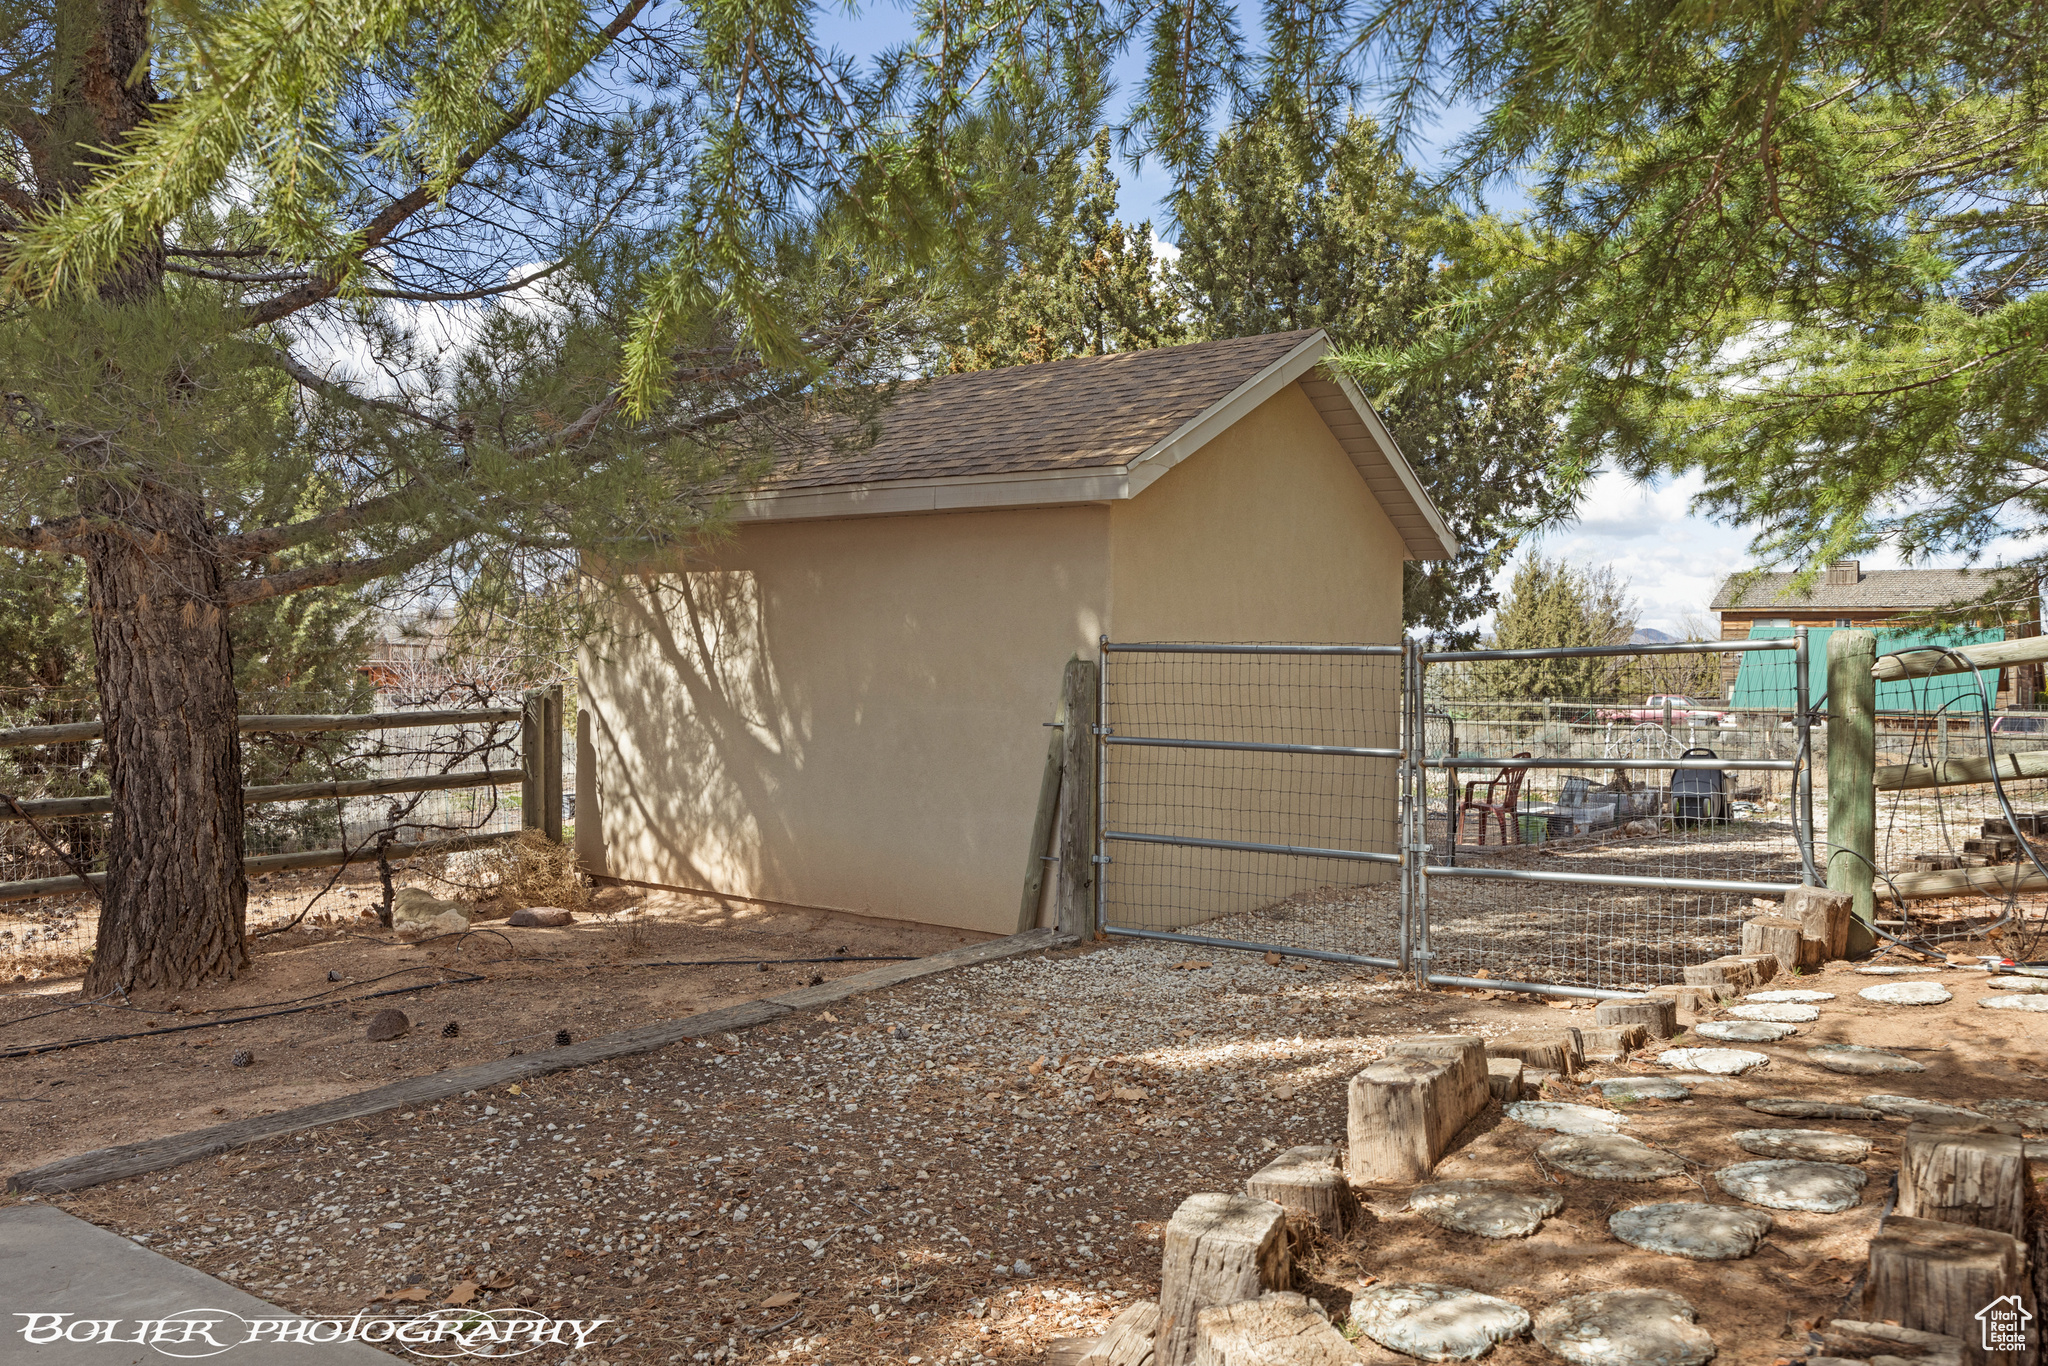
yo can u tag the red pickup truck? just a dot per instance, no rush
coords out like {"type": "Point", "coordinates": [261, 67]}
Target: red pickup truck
{"type": "Point", "coordinates": [1682, 709]}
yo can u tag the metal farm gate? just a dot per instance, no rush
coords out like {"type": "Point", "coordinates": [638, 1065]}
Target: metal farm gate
{"type": "Point", "coordinates": [1403, 809]}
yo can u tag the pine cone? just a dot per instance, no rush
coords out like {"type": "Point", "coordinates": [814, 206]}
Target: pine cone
{"type": "Point", "coordinates": [243, 1057]}
{"type": "Point", "coordinates": [450, 1030]}
{"type": "Point", "coordinates": [561, 1038]}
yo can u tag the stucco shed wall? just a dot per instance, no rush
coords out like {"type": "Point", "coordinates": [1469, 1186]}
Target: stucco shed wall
{"type": "Point", "coordinates": [843, 713]}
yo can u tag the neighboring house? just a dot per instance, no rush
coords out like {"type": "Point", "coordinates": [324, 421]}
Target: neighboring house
{"type": "Point", "coordinates": [1846, 595]}
{"type": "Point", "coordinates": [843, 706]}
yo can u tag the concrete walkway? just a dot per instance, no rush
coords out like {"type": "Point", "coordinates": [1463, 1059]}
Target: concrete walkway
{"type": "Point", "coordinates": [53, 1265]}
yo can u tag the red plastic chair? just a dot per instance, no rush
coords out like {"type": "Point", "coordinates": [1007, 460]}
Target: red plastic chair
{"type": "Point", "coordinates": [1501, 808]}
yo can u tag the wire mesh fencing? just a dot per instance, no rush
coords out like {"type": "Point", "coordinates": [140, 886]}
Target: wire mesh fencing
{"type": "Point", "coordinates": [1251, 793]}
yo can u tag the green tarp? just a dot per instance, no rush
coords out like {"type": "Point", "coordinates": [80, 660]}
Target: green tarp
{"type": "Point", "coordinates": [1765, 681]}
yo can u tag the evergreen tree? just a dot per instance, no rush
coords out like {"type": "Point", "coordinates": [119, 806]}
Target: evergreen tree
{"type": "Point", "coordinates": [1553, 605]}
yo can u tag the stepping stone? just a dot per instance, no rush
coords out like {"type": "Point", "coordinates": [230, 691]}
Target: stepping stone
{"type": "Point", "coordinates": [1857, 1060]}
{"type": "Point", "coordinates": [2020, 983]}
{"type": "Point", "coordinates": [1565, 1119]}
{"type": "Point", "coordinates": [1810, 1145]}
{"type": "Point", "coordinates": [1792, 1107]}
{"type": "Point", "coordinates": [1437, 1322]}
{"type": "Point", "coordinates": [1805, 997]}
{"type": "Point", "coordinates": [1905, 1107]}
{"type": "Point", "coordinates": [1609, 1157]}
{"type": "Point", "coordinates": [1491, 1209]}
{"type": "Point", "coordinates": [1625, 1328]}
{"type": "Point", "coordinates": [1743, 1031]}
{"type": "Point", "coordinates": [1721, 1062]}
{"type": "Point", "coordinates": [1643, 1088]}
{"type": "Point", "coordinates": [1891, 970]}
{"type": "Point", "coordinates": [2031, 1114]}
{"type": "Point", "coordinates": [1907, 994]}
{"type": "Point", "coordinates": [1786, 1014]}
{"type": "Point", "coordinates": [2014, 1002]}
{"type": "Point", "coordinates": [1705, 1233]}
{"type": "Point", "coordinates": [1819, 1187]}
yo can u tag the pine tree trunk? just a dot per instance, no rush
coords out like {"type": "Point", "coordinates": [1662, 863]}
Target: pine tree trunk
{"type": "Point", "coordinates": [176, 895]}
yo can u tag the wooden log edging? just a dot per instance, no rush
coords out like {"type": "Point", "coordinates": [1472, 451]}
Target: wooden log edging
{"type": "Point", "coordinates": [157, 1154]}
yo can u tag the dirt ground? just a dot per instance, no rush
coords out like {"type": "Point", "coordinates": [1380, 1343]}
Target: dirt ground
{"type": "Point", "coordinates": [968, 1167]}
{"type": "Point", "coordinates": [499, 988]}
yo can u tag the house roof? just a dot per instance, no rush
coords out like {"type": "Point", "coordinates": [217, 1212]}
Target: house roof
{"type": "Point", "coordinates": [1090, 429]}
{"type": "Point", "coordinates": [1874, 590]}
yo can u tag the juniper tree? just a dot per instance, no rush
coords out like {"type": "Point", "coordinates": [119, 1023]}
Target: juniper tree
{"type": "Point", "coordinates": [1797, 249]}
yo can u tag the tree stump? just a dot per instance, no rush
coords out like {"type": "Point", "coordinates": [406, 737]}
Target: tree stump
{"type": "Point", "coordinates": [1958, 1177]}
{"type": "Point", "coordinates": [1762, 966]}
{"type": "Point", "coordinates": [1822, 915]}
{"type": "Point", "coordinates": [1776, 937]}
{"type": "Point", "coordinates": [1558, 1052]}
{"type": "Point", "coordinates": [1504, 1079]}
{"type": "Point", "coordinates": [1721, 972]}
{"type": "Point", "coordinates": [1692, 1002]}
{"type": "Point", "coordinates": [1405, 1110]}
{"type": "Point", "coordinates": [1273, 1330]}
{"type": "Point", "coordinates": [1466, 1053]}
{"type": "Point", "coordinates": [1657, 1015]}
{"type": "Point", "coordinates": [1308, 1182]}
{"type": "Point", "coordinates": [1128, 1341]}
{"type": "Point", "coordinates": [1220, 1249]}
{"type": "Point", "coordinates": [1612, 1045]}
{"type": "Point", "coordinates": [1938, 1277]}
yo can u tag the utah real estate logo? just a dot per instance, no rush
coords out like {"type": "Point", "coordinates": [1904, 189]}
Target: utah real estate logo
{"type": "Point", "coordinates": [2005, 1324]}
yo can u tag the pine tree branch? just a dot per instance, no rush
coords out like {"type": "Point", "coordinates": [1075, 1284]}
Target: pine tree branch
{"type": "Point", "coordinates": [335, 573]}
{"type": "Point", "coordinates": [341, 393]}
{"type": "Point", "coordinates": [66, 536]}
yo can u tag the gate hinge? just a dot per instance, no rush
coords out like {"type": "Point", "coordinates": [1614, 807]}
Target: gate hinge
{"type": "Point", "coordinates": [1103, 730]}
{"type": "Point", "coordinates": [1102, 858]}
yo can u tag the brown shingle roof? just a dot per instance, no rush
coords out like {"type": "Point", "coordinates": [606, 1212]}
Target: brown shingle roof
{"type": "Point", "coordinates": [1089, 412]}
{"type": "Point", "coordinates": [1877, 590]}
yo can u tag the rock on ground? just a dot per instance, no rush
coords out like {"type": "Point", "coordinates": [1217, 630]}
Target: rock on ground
{"type": "Point", "coordinates": [541, 917]}
{"type": "Point", "coordinates": [1905, 1107]}
{"type": "Point", "coordinates": [1491, 1209]}
{"type": "Point", "coordinates": [2031, 1114]}
{"type": "Point", "coordinates": [1721, 1062]}
{"type": "Point", "coordinates": [1565, 1118]}
{"type": "Point", "coordinates": [1642, 1088]}
{"type": "Point", "coordinates": [2029, 984]}
{"type": "Point", "coordinates": [1705, 1233]}
{"type": "Point", "coordinates": [1437, 1322]}
{"type": "Point", "coordinates": [1743, 1031]}
{"type": "Point", "coordinates": [1891, 970]}
{"type": "Point", "coordinates": [387, 1025]}
{"type": "Point", "coordinates": [416, 906]}
{"type": "Point", "coordinates": [1907, 994]}
{"type": "Point", "coordinates": [1795, 1107]}
{"type": "Point", "coordinates": [1625, 1328]}
{"type": "Point", "coordinates": [1780, 1014]}
{"type": "Point", "coordinates": [2014, 1002]}
{"type": "Point", "coordinates": [1857, 1060]}
{"type": "Point", "coordinates": [1817, 1187]}
{"type": "Point", "coordinates": [1806, 997]}
{"type": "Point", "coordinates": [1814, 1145]}
{"type": "Point", "coordinates": [1609, 1157]}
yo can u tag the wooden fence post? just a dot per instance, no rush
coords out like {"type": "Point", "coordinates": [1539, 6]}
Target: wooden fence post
{"type": "Point", "coordinates": [1044, 822]}
{"type": "Point", "coordinates": [1852, 779]}
{"type": "Point", "coordinates": [551, 764]}
{"type": "Point", "coordinates": [532, 780]}
{"type": "Point", "coordinates": [1077, 812]}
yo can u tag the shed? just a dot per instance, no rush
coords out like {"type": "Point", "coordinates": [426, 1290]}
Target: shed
{"type": "Point", "coordinates": [843, 707]}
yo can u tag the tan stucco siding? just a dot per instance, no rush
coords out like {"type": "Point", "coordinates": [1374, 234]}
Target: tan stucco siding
{"type": "Point", "coordinates": [1267, 534]}
{"type": "Point", "coordinates": [845, 714]}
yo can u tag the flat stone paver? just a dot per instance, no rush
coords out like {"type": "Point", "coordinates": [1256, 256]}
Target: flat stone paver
{"type": "Point", "coordinates": [1625, 1328]}
{"type": "Point", "coordinates": [1905, 1107]}
{"type": "Point", "coordinates": [2032, 1115]}
{"type": "Point", "coordinates": [1744, 1031]}
{"type": "Point", "coordinates": [1565, 1118]}
{"type": "Point", "coordinates": [1817, 1187]}
{"type": "Point", "coordinates": [53, 1264]}
{"type": "Point", "coordinates": [1857, 1060]}
{"type": "Point", "coordinates": [2034, 1002]}
{"type": "Point", "coordinates": [1437, 1322]}
{"type": "Point", "coordinates": [1491, 1209]}
{"type": "Point", "coordinates": [1720, 1062]}
{"type": "Point", "coordinates": [1799, 996]}
{"type": "Point", "coordinates": [1780, 1014]}
{"type": "Point", "coordinates": [1891, 970]}
{"type": "Point", "coordinates": [1813, 1145]}
{"type": "Point", "coordinates": [1797, 1107]}
{"type": "Point", "coordinates": [1705, 1233]}
{"type": "Point", "coordinates": [2022, 984]}
{"type": "Point", "coordinates": [1907, 994]}
{"type": "Point", "coordinates": [1609, 1157]}
{"type": "Point", "coordinates": [1643, 1088]}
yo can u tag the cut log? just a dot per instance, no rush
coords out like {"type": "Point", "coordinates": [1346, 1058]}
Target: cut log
{"type": "Point", "coordinates": [1931, 1349]}
{"type": "Point", "coordinates": [1404, 1112]}
{"type": "Point", "coordinates": [1958, 1177]}
{"type": "Point", "coordinates": [1721, 972]}
{"type": "Point", "coordinates": [1466, 1053]}
{"type": "Point", "coordinates": [1273, 1330]}
{"type": "Point", "coordinates": [1308, 1182]}
{"type": "Point", "coordinates": [1612, 1045]}
{"type": "Point", "coordinates": [1128, 1339]}
{"type": "Point", "coordinates": [1822, 915]}
{"type": "Point", "coordinates": [1939, 1277]}
{"type": "Point", "coordinates": [1762, 966]}
{"type": "Point", "coordinates": [1693, 1003]}
{"type": "Point", "coordinates": [1657, 1015]}
{"type": "Point", "coordinates": [1504, 1079]}
{"type": "Point", "coordinates": [1782, 939]}
{"type": "Point", "coordinates": [1220, 1249]}
{"type": "Point", "coordinates": [1560, 1052]}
